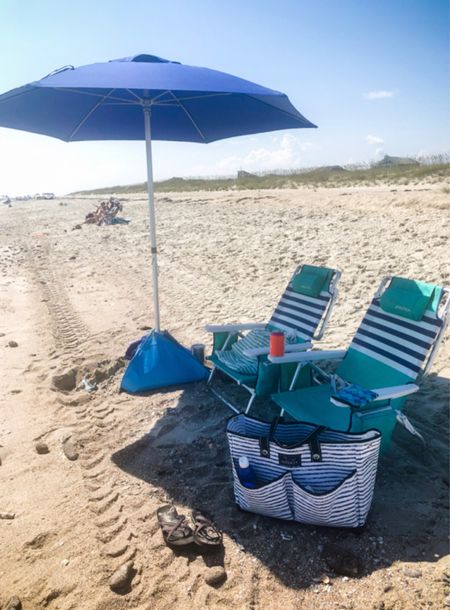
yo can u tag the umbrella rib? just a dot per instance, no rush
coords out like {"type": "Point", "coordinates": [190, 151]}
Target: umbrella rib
{"type": "Point", "coordinates": [97, 95]}
{"type": "Point", "coordinates": [90, 113]}
{"type": "Point", "coordinates": [189, 116]}
{"type": "Point", "coordinates": [195, 97]}
{"type": "Point", "coordinates": [134, 94]}
{"type": "Point", "coordinates": [121, 104]}
{"type": "Point", "coordinates": [120, 99]}
{"type": "Point", "coordinates": [141, 99]}
{"type": "Point", "coordinates": [301, 118]}
{"type": "Point", "coordinates": [161, 95]}
{"type": "Point", "coordinates": [27, 90]}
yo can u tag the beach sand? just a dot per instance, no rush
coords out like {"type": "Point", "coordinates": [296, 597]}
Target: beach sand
{"type": "Point", "coordinates": [73, 298]}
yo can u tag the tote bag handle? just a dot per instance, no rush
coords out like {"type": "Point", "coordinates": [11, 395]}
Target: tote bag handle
{"type": "Point", "coordinates": [311, 439]}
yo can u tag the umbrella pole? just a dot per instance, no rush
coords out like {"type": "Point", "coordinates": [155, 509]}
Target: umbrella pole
{"type": "Point", "coordinates": [151, 213]}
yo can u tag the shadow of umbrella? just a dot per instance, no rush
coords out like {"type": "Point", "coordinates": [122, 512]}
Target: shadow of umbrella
{"type": "Point", "coordinates": [186, 455]}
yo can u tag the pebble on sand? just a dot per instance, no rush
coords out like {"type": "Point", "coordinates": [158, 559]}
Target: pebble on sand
{"type": "Point", "coordinates": [215, 576]}
{"type": "Point", "coordinates": [13, 344]}
{"type": "Point", "coordinates": [7, 515]}
{"type": "Point", "coordinates": [121, 577]}
{"type": "Point", "coordinates": [412, 572]}
{"type": "Point", "coordinates": [41, 447]}
{"type": "Point", "coordinates": [14, 604]}
{"type": "Point", "coordinates": [69, 450]}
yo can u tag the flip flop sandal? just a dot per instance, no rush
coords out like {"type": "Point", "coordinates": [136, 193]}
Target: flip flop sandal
{"type": "Point", "coordinates": [205, 532]}
{"type": "Point", "coordinates": [175, 530]}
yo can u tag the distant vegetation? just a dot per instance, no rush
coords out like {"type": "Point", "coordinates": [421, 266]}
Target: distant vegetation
{"type": "Point", "coordinates": [390, 171]}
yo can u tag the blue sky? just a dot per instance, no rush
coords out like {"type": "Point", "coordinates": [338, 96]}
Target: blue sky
{"type": "Point", "coordinates": [372, 74]}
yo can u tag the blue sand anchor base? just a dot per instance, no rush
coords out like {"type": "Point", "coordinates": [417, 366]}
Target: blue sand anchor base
{"type": "Point", "coordinates": [161, 361]}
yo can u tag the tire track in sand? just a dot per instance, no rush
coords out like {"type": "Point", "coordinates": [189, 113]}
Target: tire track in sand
{"type": "Point", "coordinates": [68, 329]}
{"type": "Point", "coordinates": [94, 422]}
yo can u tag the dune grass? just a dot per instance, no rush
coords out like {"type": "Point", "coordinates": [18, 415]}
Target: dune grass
{"type": "Point", "coordinates": [315, 178]}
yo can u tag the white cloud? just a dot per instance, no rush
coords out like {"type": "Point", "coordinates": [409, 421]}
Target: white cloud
{"type": "Point", "coordinates": [423, 152]}
{"type": "Point", "coordinates": [374, 140]}
{"type": "Point", "coordinates": [31, 163]}
{"type": "Point", "coordinates": [287, 153]}
{"type": "Point", "coordinates": [378, 95]}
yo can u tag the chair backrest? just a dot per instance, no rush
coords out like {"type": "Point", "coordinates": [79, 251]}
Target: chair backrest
{"type": "Point", "coordinates": [390, 349]}
{"type": "Point", "coordinates": [305, 306]}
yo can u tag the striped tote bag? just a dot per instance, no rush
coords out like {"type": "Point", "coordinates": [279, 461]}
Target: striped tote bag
{"type": "Point", "coordinates": [304, 472]}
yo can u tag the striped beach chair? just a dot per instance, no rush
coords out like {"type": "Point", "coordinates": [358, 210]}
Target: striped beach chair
{"type": "Point", "coordinates": [394, 346]}
{"type": "Point", "coordinates": [240, 350]}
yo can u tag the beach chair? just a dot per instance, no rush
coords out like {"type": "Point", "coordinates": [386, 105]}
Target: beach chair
{"type": "Point", "coordinates": [395, 344]}
{"type": "Point", "coordinates": [240, 350]}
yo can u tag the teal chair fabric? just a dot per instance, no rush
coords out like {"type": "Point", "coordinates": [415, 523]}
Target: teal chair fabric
{"type": "Point", "coordinates": [389, 349]}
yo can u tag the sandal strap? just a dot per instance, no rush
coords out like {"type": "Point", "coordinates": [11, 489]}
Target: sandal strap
{"type": "Point", "coordinates": [202, 531]}
{"type": "Point", "coordinates": [171, 529]}
{"type": "Point", "coordinates": [199, 518]}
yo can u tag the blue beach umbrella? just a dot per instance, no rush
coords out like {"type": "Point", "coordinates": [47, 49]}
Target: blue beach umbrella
{"type": "Point", "coordinates": [146, 98]}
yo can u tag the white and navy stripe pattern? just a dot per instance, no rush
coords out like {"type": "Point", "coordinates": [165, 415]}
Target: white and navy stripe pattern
{"type": "Point", "coordinates": [335, 491]}
{"type": "Point", "coordinates": [235, 357]}
{"type": "Point", "coordinates": [299, 313]}
{"type": "Point", "coordinates": [398, 342]}
{"type": "Point", "coordinates": [330, 507]}
{"type": "Point", "coordinates": [270, 499]}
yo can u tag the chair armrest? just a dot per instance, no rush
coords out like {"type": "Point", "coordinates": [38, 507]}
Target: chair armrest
{"type": "Point", "coordinates": [383, 394]}
{"type": "Point", "coordinates": [230, 328]}
{"type": "Point", "coordinates": [395, 391]}
{"type": "Point", "coordinates": [262, 351]}
{"type": "Point", "coordinates": [336, 354]}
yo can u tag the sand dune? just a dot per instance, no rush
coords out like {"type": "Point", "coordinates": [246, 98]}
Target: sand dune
{"type": "Point", "coordinates": [73, 298]}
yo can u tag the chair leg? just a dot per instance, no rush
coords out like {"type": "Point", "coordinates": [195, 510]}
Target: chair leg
{"type": "Point", "coordinates": [250, 402]}
{"type": "Point", "coordinates": [213, 370]}
{"type": "Point", "coordinates": [222, 398]}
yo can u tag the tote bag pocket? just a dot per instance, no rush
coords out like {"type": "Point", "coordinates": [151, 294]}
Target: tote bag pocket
{"type": "Point", "coordinates": [269, 498]}
{"type": "Point", "coordinates": [305, 472]}
{"type": "Point", "coordinates": [326, 498]}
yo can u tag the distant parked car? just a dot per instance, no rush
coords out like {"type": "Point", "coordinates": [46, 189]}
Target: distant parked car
{"type": "Point", "coordinates": [5, 199]}
{"type": "Point", "coordinates": [48, 195]}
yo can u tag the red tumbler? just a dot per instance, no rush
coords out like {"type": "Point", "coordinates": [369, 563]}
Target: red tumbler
{"type": "Point", "coordinates": [277, 343]}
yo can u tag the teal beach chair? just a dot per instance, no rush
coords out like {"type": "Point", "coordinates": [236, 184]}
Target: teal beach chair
{"type": "Point", "coordinates": [394, 346]}
{"type": "Point", "coordinates": [240, 350]}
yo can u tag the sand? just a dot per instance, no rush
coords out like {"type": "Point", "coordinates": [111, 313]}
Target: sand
{"type": "Point", "coordinates": [73, 298]}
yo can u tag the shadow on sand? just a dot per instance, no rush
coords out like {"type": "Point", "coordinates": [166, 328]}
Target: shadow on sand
{"type": "Point", "coordinates": [186, 455]}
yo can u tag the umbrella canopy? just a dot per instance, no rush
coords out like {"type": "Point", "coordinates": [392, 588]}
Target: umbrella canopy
{"type": "Point", "coordinates": [146, 98]}
{"type": "Point", "coordinates": [104, 101]}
